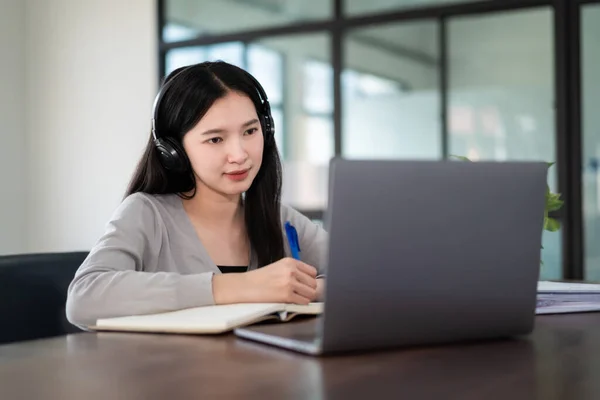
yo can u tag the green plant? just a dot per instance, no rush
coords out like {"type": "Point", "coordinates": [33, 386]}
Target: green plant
{"type": "Point", "coordinates": [553, 203]}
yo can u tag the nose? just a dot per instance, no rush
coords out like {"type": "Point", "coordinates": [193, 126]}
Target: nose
{"type": "Point", "coordinates": [236, 152]}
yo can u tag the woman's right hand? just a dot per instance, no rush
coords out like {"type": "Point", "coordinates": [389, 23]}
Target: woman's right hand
{"type": "Point", "coordinates": [284, 281]}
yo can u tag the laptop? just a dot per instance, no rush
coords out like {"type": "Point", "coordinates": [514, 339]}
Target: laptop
{"type": "Point", "coordinates": [422, 253]}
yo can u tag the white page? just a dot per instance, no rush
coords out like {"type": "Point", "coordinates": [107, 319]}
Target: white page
{"type": "Point", "coordinates": [558, 287]}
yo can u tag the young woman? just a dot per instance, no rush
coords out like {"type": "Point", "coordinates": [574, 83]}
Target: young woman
{"type": "Point", "coordinates": [203, 204]}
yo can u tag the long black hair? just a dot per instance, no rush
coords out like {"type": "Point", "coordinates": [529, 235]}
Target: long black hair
{"type": "Point", "coordinates": [186, 101]}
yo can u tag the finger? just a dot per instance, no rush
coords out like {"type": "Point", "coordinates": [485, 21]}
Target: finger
{"type": "Point", "coordinates": [299, 299]}
{"type": "Point", "coordinates": [306, 279]}
{"type": "Point", "coordinates": [307, 269]}
{"type": "Point", "coordinates": [304, 290]}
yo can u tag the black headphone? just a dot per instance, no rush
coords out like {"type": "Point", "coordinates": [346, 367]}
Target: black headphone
{"type": "Point", "coordinates": [172, 156]}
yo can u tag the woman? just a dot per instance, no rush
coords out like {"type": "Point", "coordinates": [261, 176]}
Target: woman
{"type": "Point", "coordinates": [204, 201]}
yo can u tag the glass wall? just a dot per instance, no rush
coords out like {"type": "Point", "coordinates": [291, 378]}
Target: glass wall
{"type": "Point", "coordinates": [187, 19]}
{"type": "Point", "coordinates": [390, 92]}
{"type": "Point", "coordinates": [308, 104]}
{"type": "Point", "coordinates": [590, 91]}
{"type": "Point", "coordinates": [501, 95]}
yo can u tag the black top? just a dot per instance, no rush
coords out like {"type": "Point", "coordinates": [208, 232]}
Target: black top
{"type": "Point", "coordinates": [228, 269]}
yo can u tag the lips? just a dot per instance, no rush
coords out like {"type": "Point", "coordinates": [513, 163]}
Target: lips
{"type": "Point", "coordinates": [239, 172]}
{"type": "Point", "coordinates": [238, 175]}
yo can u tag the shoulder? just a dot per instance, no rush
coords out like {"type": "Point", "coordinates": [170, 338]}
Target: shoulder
{"type": "Point", "coordinates": [140, 202]}
{"type": "Point", "coordinates": [304, 225]}
{"type": "Point", "coordinates": [135, 204]}
{"type": "Point", "coordinates": [287, 211]}
{"type": "Point", "coordinates": [143, 209]}
{"type": "Point", "coordinates": [295, 217]}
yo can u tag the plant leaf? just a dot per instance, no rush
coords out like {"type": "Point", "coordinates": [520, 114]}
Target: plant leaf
{"type": "Point", "coordinates": [551, 225]}
{"type": "Point", "coordinates": [553, 202]}
{"type": "Point", "coordinates": [462, 158]}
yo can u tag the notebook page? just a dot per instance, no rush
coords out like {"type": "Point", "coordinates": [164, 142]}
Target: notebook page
{"type": "Point", "coordinates": [207, 319]}
{"type": "Point", "coordinates": [565, 287]}
{"type": "Point", "coordinates": [312, 308]}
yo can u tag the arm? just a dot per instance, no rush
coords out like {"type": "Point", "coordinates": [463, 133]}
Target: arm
{"type": "Point", "coordinates": [239, 288]}
{"type": "Point", "coordinates": [247, 287]}
{"type": "Point", "coordinates": [112, 282]}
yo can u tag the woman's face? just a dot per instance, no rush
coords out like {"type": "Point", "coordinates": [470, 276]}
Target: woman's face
{"type": "Point", "coordinates": [225, 148]}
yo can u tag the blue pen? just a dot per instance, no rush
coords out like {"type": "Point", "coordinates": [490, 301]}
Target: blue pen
{"type": "Point", "coordinates": [292, 237]}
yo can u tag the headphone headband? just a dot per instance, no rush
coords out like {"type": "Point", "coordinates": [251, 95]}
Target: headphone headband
{"type": "Point", "coordinates": [171, 155]}
{"type": "Point", "coordinates": [157, 100]}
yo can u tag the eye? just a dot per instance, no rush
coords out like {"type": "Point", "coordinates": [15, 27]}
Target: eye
{"type": "Point", "coordinates": [214, 140]}
{"type": "Point", "coordinates": [251, 131]}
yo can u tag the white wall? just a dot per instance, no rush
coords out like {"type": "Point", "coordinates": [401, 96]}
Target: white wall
{"type": "Point", "coordinates": [92, 79]}
{"type": "Point", "coordinates": [78, 116]}
{"type": "Point", "coordinates": [13, 164]}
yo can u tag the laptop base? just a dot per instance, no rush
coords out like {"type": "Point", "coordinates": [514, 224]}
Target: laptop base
{"type": "Point", "coordinates": [300, 336]}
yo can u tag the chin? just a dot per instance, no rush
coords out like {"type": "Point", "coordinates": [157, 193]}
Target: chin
{"type": "Point", "coordinates": [234, 192]}
{"type": "Point", "coordinates": [236, 188]}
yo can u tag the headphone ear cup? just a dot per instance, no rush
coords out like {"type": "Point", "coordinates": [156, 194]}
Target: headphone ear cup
{"type": "Point", "coordinates": [267, 120]}
{"type": "Point", "coordinates": [170, 155]}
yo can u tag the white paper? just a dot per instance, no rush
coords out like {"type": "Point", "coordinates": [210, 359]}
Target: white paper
{"type": "Point", "coordinates": [564, 287]}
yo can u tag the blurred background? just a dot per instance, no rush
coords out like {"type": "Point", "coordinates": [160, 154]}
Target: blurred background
{"type": "Point", "coordinates": [395, 79]}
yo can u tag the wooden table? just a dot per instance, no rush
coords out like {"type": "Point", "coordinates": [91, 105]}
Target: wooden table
{"type": "Point", "coordinates": [560, 360]}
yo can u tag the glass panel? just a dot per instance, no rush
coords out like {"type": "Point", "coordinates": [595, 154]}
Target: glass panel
{"type": "Point", "coordinates": [230, 52]}
{"type": "Point", "coordinates": [277, 113]}
{"type": "Point", "coordinates": [267, 67]}
{"type": "Point", "coordinates": [192, 18]}
{"type": "Point", "coordinates": [590, 86]}
{"type": "Point", "coordinates": [551, 268]}
{"type": "Point", "coordinates": [390, 92]}
{"type": "Point", "coordinates": [353, 7]}
{"type": "Point", "coordinates": [501, 93]}
{"type": "Point", "coordinates": [318, 93]}
{"type": "Point", "coordinates": [173, 32]}
{"type": "Point", "coordinates": [308, 141]}
{"type": "Point", "coordinates": [183, 56]}
{"type": "Point", "coordinates": [319, 140]}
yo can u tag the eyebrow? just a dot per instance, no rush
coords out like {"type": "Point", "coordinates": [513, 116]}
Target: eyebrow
{"type": "Point", "coordinates": [221, 130]}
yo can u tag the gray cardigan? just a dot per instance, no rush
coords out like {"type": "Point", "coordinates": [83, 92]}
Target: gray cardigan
{"type": "Point", "coordinates": [150, 260]}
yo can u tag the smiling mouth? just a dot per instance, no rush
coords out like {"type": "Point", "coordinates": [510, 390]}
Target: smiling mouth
{"type": "Point", "coordinates": [240, 172]}
{"type": "Point", "coordinates": [238, 175]}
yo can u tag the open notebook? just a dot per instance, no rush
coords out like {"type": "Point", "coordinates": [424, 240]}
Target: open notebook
{"type": "Point", "coordinates": [207, 320]}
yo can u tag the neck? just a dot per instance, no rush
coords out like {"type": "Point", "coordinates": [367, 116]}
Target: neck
{"type": "Point", "coordinates": [215, 209]}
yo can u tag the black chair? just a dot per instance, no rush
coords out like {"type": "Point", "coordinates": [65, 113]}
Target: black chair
{"type": "Point", "coordinates": [33, 294]}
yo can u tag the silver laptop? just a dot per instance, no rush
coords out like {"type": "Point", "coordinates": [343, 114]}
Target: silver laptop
{"type": "Point", "coordinates": [424, 252]}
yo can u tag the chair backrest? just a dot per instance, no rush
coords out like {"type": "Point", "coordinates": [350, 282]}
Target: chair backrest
{"type": "Point", "coordinates": [33, 293]}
